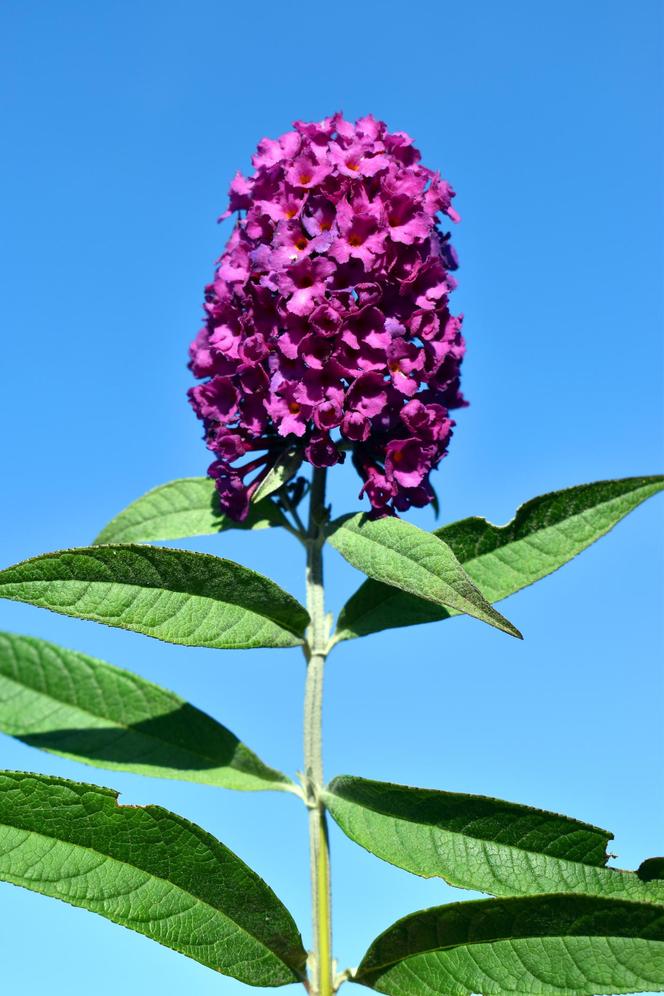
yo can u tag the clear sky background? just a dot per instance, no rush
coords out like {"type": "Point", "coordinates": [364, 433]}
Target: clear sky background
{"type": "Point", "coordinates": [123, 125]}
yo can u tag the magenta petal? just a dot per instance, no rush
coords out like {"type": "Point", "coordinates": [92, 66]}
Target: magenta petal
{"type": "Point", "coordinates": [355, 426]}
{"type": "Point", "coordinates": [303, 300]}
{"type": "Point", "coordinates": [367, 395]}
{"type": "Point", "coordinates": [406, 462]}
{"type": "Point", "coordinates": [328, 415]}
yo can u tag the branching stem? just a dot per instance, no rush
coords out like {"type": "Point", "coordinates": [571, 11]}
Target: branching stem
{"type": "Point", "coordinates": [315, 652]}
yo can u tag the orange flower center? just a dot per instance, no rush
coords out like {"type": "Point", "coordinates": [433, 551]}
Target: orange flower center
{"type": "Point", "coordinates": [294, 407]}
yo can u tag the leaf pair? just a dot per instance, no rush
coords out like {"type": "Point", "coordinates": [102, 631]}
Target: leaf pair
{"type": "Point", "coordinates": [414, 576]}
{"type": "Point", "coordinates": [392, 550]}
{"type": "Point", "coordinates": [413, 561]}
{"type": "Point", "coordinates": [157, 873]}
{"type": "Point", "coordinates": [201, 600]}
{"type": "Point", "coordinates": [567, 924]}
{"type": "Point", "coordinates": [545, 533]}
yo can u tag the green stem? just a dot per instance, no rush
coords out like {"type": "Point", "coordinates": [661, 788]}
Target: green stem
{"type": "Point", "coordinates": [316, 651]}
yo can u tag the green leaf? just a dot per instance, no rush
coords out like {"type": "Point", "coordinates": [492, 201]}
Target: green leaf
{"type": "Point", "coordinates": [186, 507]}
{"type": "Point", "coordinates": [475, 842]}
{"type": "Point", "coordinates": [189, 598]}
{"type": "Point", "coordinates": [572, 945]}
{"type": "Point", "coordinates": [545, 533]}
{"type": "Point", "coordinates": [398, 553]}
{"type": "Point", "coordinates": [82, 708]}
{"type": "Point", "coordinates": [147, 869]}
{"type": "Point", "coordinates": [285, 467]}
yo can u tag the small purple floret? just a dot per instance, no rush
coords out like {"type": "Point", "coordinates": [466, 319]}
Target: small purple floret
{"type": "Point", "coordinates": [327, 322]}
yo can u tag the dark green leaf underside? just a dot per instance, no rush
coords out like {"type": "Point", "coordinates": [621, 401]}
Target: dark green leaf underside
{"type": "Point", "coordinates": [475, 842]}
{"type": "Point", "coordinates": [149, 870]}
{"type": "Point", "coordinates": [174, 595]}
{"type": "Point", "coordinates": [570, 945]}
{"type": "Point", "coordinates": [398, 553]}
{"type": "Point", "coordinates": [545, 533]}
{"type": "Point", "coordinates": [185, 507]}
{"type": "Point", "coordinates": [82, 708]}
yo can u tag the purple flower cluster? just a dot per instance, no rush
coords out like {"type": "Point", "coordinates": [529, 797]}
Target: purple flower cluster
{"type": "Point", "coordinates": [327, 322]}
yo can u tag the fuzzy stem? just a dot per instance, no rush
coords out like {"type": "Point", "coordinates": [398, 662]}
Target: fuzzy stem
{"type": "Point", "coordinates": [313, 756]}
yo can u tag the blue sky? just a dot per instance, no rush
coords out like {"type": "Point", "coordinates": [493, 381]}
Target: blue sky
{"type": "Point", "coordinates": [123, 125]}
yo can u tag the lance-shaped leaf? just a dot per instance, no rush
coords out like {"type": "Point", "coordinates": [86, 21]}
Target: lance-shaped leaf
{"type": "Point", "coordinates": [400, 554]}
{"type": "Point", "coordinates": [173, 595]}
{"type": "Point", "coordinates": [475, 842]}
{"type": "Point", "coordinates": [82, 708]}
{"type": "Point", "coordinates": [147, 869]}
{"type": "Point", "coordinates": [186, 507]}
{"type": "Point", "coordinates": [285, 467]}
{"type": "Point", "coordinates": [572, 945]}
{"type": "Point", "coordinates": [545, 533]}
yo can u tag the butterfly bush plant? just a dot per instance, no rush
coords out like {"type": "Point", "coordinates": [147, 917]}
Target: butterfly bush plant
{"type": "Point", "coordinates": [328, 336]}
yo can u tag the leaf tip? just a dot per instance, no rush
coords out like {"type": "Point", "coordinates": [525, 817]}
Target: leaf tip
{"type": "Point", "coordinates": [502, 623]}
